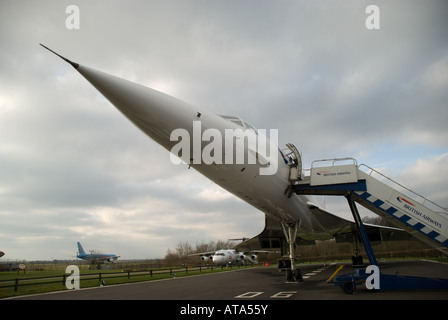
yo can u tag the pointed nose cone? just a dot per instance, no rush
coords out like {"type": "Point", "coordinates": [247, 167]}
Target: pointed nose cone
{"type": "Point", "coordinates": [155, 113]}
{"type": "Point", "coordinates": [134, 100]}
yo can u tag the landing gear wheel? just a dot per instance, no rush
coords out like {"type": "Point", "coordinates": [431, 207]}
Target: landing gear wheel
{"type": "Point", "coordinates": [298, 275]}
{"type": "Point", "coordinates": [357, 261]}
{"type": "Point", "coordinates": [289, 276]}
{"type": "Point", "coordinates": [347, 287]}
{"type": "Point", "coordinates": [294, 276]}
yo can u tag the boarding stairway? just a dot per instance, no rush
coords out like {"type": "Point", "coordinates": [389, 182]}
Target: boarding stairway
{"type": "Point", "coordinates": [406, 209]}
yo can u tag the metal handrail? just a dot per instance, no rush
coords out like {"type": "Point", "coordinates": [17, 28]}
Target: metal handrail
{"type": "Point", "coordinates": [336, 159]}
{"type": "Point", "coordinates": [444, 211]}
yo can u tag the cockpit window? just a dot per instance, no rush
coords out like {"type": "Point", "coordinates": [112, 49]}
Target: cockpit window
{"type": "Point", "coordinates": [235, 120]}
{"type": "Point", "coordinates": [249, 126]}
{"type": "Point", "coordinates": [240, 122]}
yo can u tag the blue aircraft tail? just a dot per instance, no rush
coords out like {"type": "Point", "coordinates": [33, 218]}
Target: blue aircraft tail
{"type": "Point", "coordinates": [81, 251]}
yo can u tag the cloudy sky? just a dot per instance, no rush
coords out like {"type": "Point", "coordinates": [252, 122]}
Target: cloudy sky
{"type": "Point", "coordinates": [72, 168]}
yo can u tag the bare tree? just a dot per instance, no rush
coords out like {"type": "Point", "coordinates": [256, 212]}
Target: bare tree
{"type": "Point", "coordinates": [183, 249]}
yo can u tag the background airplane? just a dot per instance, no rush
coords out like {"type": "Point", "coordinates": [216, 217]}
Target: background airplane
{"type": "Point", "coordinates": [2, 254]}
{"type": "Point", "coordinates": [228, 257]}
{"type": "Point", "coordinates": [95, 258]}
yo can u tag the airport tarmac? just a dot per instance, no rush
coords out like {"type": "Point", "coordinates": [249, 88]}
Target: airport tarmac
{"type": "Point", "coordinates": [261, 283]}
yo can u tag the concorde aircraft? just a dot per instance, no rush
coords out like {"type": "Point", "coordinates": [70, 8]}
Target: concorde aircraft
{"type": "Point", "coordinates": [263, 183]}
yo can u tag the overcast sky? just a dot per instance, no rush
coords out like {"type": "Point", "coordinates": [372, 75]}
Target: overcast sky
{"type": "Point", "coordinates": [72, 168]}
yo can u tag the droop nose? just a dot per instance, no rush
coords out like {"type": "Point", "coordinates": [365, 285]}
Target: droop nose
{"type": "Point", "coordinates": [155, 113]}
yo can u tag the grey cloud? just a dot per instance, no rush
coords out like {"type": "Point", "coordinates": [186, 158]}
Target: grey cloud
{"type": "Point", "coordinates": [311, 70]}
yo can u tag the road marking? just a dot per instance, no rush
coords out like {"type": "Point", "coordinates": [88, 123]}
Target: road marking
{"type": "Point", "coordinates": [313, 273]}
{"type": "Point", "coordinates": [283, 295]}
{"type": "Point", "coordinates": [248, 295]}
{"type": "Point", "coordinates": [278, 295]}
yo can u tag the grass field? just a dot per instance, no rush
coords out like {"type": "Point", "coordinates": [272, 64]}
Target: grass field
{"type": "Point", "coordinates": [52, 277]}
{"type": "Point", "coordinates": [15, 283]}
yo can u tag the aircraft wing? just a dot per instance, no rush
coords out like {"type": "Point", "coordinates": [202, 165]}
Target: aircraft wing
{"type": "Point", "coordinates": [210, 253]}
{"type": "Point", "coordinates": [343, 229]}
{"type": "Point", "coordinates": [326, 226]}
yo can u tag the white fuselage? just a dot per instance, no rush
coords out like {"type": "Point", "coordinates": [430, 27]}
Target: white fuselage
{"type": "Point", "coordinates": [158, 115]}
{"type": "Point", "coordinates": [227, 257]}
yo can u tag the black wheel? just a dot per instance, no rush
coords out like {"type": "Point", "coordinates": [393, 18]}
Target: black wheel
{"type": "Point", "coordinates": [289, 275]}
{"type": "Point", "coordinates": [347, 287]}
{"type": "Point", "coordinates": [360, 261]}
{"type": "Point", "coordinates": [298, 275]}
{"type": "Point", "coordinates": [357, 261]}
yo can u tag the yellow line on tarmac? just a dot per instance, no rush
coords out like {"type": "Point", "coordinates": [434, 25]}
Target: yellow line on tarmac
{"type": "Point", "coordinates": [336, 272]}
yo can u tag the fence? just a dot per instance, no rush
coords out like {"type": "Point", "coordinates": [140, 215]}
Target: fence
{"type": "Point", "coordinates": [102, 277]}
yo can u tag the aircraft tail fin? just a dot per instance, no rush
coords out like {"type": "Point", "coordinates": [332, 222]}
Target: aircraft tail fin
{"type": "Point", "coordinates": [80, 249]}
